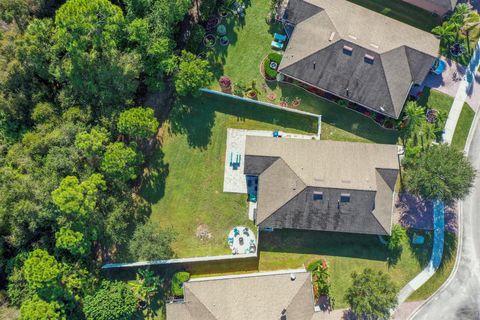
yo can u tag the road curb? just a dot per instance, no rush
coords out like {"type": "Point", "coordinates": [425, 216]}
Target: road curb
{"type": "Point", "coordinates": [460, 229]}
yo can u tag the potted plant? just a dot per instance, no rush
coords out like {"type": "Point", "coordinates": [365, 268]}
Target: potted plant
{"type": "Point", "coordinates": [209, 40]}
{"type": "Point", "coordinates": [221, 30]}
{"type": "Point", "coordinates": [296, 102]}
{"type": "Point", "coordinates": [252, 91]}
{"type": "Point", "coordinates": [271, 96]}
{"type": "Point", "coordinates": [212, 22]}
{"type": "Point", "coordinates": [223, 11]}
{"type": "Point", "coordinates": [225, 83]}
{"type": "Point", "coordinates": [224, 41]}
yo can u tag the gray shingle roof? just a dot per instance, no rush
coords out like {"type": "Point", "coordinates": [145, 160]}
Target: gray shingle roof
{"type": "Point", "coordinates": [402, 54]}
{"type": "Point", "coordinates": [246, 297]}
{"type": "Point", "coordinates": [367, 172]}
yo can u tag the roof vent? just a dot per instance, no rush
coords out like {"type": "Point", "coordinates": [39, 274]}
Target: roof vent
{"type": "Point", "coordinates": [374, 45]}
{"type": "Point", "coordinates": [347, 50]}
{"type": "Point", "coordinates": [332, 35]}
{"type": "Point", "coordinates": [352, 37]}
{"type": "Point", "coordinates": [293, 276]}
{"type": "Point", "coordinates": [369, 58]}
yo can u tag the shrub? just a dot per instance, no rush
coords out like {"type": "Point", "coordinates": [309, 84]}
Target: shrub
{"type": "Point", "coordinates": [177, 283]}
{"type": "Point", "coordinates": [342, 103]}
{"type": "Point", "coordinates": [398, 236]}
{"type": "Point", "coordinates": [275, 57]}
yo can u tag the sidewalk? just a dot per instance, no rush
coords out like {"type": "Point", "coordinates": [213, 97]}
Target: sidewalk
{"type": "Point", "coordinates": [463, 92]}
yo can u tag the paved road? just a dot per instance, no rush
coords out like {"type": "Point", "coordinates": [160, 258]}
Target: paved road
{"type": "Point", "coordinates": [460, 299]}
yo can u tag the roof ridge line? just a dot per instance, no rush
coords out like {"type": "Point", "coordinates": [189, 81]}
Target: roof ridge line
{"type": "Point", "coordinates": [296, 194]}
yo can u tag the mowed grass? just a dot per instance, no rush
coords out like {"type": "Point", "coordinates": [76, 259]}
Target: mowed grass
{"type": "Point", "coordinates": [185, 182]}
{"type": "Point", "coordinates": [250, 40]}
{"type": "Point", "coordinates": [345, 253]}
{"type": "Point", "coordinates": [433, 99]}
{"type": "Point", "coordinates": [463, 127]}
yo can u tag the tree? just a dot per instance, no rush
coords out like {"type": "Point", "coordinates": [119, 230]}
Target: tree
{"type": "Point", "coordinates": [415, 117]}
{"type": "Point", "coordinates": [38, 309]}
{"type": "Point", "coordinates": [71, 241]}
{"type": "Point", "coordinates": [92, 143]}
{"type": "Point", "coordinates": [89, 55]}
{"type": "Point", "coordinates": [192, 74]}
{"type": "Point", "coordinates": [41, 269]}
{"type": "Point", "coordinates": [112, 301]}
{"type": "Point", "coordinates": [76, 198]}
{"type": "Point", "coordinates": [372, 295]}
{"type": "Point", "coordinates": [446, 32]}
{"type": "Point", "coordinates": [440, 173]}
{"type": "Point", "coordinates": [120, 162]}
{"type": "Point", "coordinates": [151, 243]}
{"type": "Point", "coordinates": [396, 239]}
{"type": "Point", "coordinates": [138, 123]}
{"type": "Point", "coordinates": [15, 10]}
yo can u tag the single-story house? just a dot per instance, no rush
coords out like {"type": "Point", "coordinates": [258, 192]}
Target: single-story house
{"type": "Point", "coordinates": [265, 295]}
{"type": "Point", "coordinates": [439, 7]}
{"type": "Point", "coordinates": [323, 185]}
{"type": "Point", "coordinates": [355, 54]}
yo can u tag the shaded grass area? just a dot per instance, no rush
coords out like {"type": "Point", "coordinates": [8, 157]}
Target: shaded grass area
{"type": "Point", "coordinates": [402, 11]}
{"type": "Point", "coordinates": [345, 253]}
{"type": "Point", "coordinates": [185, 181]}
{"type": "Point", "coordinates": [442, 274]}
{"type": "Point", "coordinates": [463, 127]}
{"type": "Point", "coordinates": [241, 61]}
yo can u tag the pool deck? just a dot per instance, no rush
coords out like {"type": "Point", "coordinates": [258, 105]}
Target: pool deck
{"type": "Point", "coordinates": [234, 180]}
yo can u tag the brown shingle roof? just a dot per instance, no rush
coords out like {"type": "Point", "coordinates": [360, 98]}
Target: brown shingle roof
{"type": "Point", "coordinates": [247, 297]}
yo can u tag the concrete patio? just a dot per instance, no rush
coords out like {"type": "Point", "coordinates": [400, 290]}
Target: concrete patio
{"type": "Point", "coordinates": [449, 81]}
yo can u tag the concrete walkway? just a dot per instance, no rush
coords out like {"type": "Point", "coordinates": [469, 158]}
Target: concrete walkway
{"type": "Point", "coordinates": [464, 90]}
{"type": "Point", "coordinates": [435, 260]}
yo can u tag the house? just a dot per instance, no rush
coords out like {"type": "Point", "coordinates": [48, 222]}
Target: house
{"type": "Point", "coordinates": [355, 54]}
{"type": "Point", "coordinates": [323, 185]}
{"type": "Point", "coordinates": [266, 295]}
{"type": "Point", "coordinates": [440, 7]}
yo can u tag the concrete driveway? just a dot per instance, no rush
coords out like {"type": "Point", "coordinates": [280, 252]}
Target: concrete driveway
{"type": "Point", "coordinates": [449, 81]}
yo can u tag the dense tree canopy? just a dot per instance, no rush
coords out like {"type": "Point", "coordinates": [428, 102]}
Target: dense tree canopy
{"type": "Point", "coordinates": [151, 243]}
{"type": "Point", "coordinates": [120, 162]}
{"type": "Point", "coordinates": [372, 295]}
{"type": "Point", "coordinates": [69, 157]}
{"type": "Point", "coordinates": [113, 301]}
{"type": "Point", "coordinates": [441, 172]}
{"type": "Point", "coordinates": [38, 309]}
{"type": "Point", "coordinates": [138, 123]}
{"type": "Point", "coordinates": [192, 74]}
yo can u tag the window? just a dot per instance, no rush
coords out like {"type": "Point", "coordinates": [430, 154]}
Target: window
{"type": "Point", "coordinates": [345, 197]}
{"type": "Point", "coordinates": [318, 196]}
{"type": "Point", "coordinates": [347, 50]}
{"type": "Point", "coordinates": [369, 58]}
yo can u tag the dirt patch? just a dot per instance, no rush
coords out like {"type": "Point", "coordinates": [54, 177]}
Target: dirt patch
{"type": "Point", "coordinates": [203, 232]}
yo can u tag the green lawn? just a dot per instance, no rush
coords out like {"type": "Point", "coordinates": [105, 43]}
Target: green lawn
{"type": "Point", "coordinates": [250, 43]}
{"type": "Point", "coordinates": [344, 253]}
{"type": "Point", "coordinates": [185, 182]}
{"type": "Point", "coordinates": [442, 102]}
{"type": "Point", "coordinates": [442, 274]}
{"type": "Point", "coordinates": [463, 127]}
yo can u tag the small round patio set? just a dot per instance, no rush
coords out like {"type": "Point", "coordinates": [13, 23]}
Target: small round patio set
{"type": "Point", "coordinates": [241, 240]}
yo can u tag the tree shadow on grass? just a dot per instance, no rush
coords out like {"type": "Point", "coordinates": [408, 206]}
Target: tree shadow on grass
{"type": "Point", "coordinates": [195, 117]}
{"type": "Point", "coordinates": [153, 185]}
{"type": "Point", "coordinates": [421, 252]}
{"type": "Point", "coordinates": [323, 243]}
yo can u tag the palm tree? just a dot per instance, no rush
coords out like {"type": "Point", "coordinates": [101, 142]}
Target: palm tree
{"type": "Point", "coordinates": [471, 23]}
{"type": "Point", "coordinates": [415, 116]}
{"type": "Point", "coordinates": [446, 32]}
